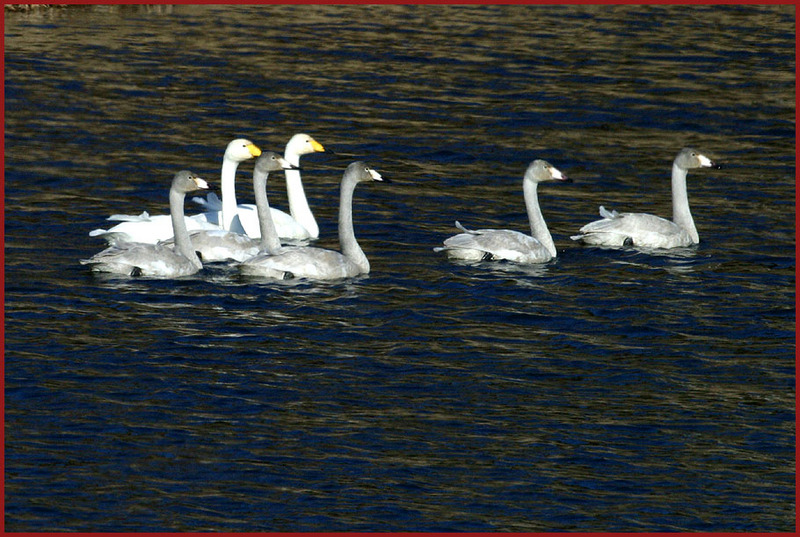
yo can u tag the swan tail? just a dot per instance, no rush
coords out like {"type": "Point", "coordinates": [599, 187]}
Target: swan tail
{"type": "Point", "coordinates": [465, 230]}
{"type": "Point", "coordinates": [605, 213]}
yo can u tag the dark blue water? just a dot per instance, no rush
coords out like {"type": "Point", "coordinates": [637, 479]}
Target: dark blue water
{"type": "Point", "coordinates": [607, 390]}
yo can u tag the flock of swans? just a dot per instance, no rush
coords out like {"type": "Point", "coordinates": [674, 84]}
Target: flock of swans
{"type": "Point", "coordinates": [265, 242]}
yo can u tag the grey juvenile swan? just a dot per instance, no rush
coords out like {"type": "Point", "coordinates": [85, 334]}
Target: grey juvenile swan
{"type": "Point", "coordinates": [221, 245]}
{"type": "Point", "coordinates": [283, 262]}
{"type": "Point", "coordinates": [647, 230]}
{"type": "Point", "coordinates": [497, 244]}
{"type": "Point", "coordinates": [157, 260]}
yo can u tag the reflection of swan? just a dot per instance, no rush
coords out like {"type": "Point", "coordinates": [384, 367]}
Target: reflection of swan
{"type": "Point", "coordinates": [139, 259]}
{"type": "Point", "coordinates": [301, 223]}
{"type": "Point", "coordinates": [221, 245]}
{"type": "Point", "coordinates": [496, 244]}
{"type": "Point", "coordinates": [647, 230]}
{"type": "Point", "coordinates": [151, 229]}
{"type": "Point", "coordinates": [318, 263]}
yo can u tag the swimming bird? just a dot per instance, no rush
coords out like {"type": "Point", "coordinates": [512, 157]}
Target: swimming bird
{"type": "Point", "coordinates": [221, 245]}
{"type": "Point", "coordinates": [156, 260]}
{"type": "Point", "coordinates": [283, 262]}
{"type": "Point", "coordinates": [505, 244]}
{"type": "Point", "coordinates": [149, 229]}
{"type": "Point", "coordinates": [300, 224]}
{"type": "Point", "coordinates": [647, 230]}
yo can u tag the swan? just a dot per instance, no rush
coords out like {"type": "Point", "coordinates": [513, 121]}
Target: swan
{"type": "Point", "coordinates": [300, 224]}
{"type": "Point", "coordinates": [221, 245]}
{"type": "Point", "coordinates": [152, 229]}
{"type": "Point", "coordinates": [156, 260]}
{"type": "Point", "coordinates": [498, 244]}
{"type": "Point", "coordinates": [646, 230]}
{"type": "Point", "coordinates": [284, 262]}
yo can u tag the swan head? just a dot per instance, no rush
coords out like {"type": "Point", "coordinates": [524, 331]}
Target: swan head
{"type": "Point", "coordinates": [303, 144]}
{"type": "Point", "coordinates": [540, 171]}
{"type": "Point", "coordinates": [241, 149]}
{"type": "Point", "coordinates": [360, 171]}
{"type": "Point", "coordinates": [270, 161]}
{"type": "Point", "coordinates": [689, 158]}
{"type": "Point", "coordinates": [186, 181]}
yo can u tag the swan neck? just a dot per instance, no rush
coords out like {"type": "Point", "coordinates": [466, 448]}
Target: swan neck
{"type": "Point", "coordinates": [269, 236]}
{"type": "Point", "coordinates": [681, 214]}
{"type": "Point", "coordinates": [347, 236]}
{"type": "Point", "coordinates": [298, 204]}
{"type": "Point", "coordinates": [228, 188]}
{"type": "Point", "coordinates": [183, 243]}
{"type": "Point", "coordinates": [539, 229]}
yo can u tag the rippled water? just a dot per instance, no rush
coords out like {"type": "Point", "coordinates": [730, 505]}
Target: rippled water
{"type": "Point", "coordinates": [607, 390]}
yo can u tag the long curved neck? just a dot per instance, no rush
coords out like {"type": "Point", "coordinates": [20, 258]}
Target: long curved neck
{"type": "Point", "coordinates": [681, 214]}
{"type": "Point", "coordinates": [298, 204]}
{"type": "Point", "coordinates": [539, 229]}
{"type": "Point", "coordinates": [269, 236]}
{"type": "Point", "coordinates": [228, 187]}
{"type": "Point", "coordinates": [347, 236]}
{"type": "Point", "coordinates": [183, 244]}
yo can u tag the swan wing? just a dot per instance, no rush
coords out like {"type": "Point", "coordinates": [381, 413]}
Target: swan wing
{"type": "Point", "coordinates": [147, 229]}
{"type": "Point", "coordinates": [210, 203]}
{"type": "Point", "coordinates": [215, 245]}
{"type": "Point", "coordinates": [287, 227]}
{"type": "Point", "coordinates": [131, 259]}
{"type": "Point", "coordinates": [633, 229]}
{"type": "Point", "coordinates": [496, 244]}
{"type": "Point", "coordinates": [302, 262]}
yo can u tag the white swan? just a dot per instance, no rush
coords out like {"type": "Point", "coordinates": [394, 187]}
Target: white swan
{"type": "Point", "coordinates": [497, 244]}
{"type": "Point", "coordinates": [156, 260]}
{"type": "Point", "coordinates": [221, 245]}
{"type": "Point", "coordinates": [318, 263]}
{"type": "Point", "coordinates": [300, 224]}
{"type": "Point", "coordinates": [152, 229]}
{"type": "Point", "coordinates": [646, 230]}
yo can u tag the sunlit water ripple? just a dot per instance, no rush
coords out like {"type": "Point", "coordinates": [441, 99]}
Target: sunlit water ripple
{"type": "Point", "coordinates": [606, 390]}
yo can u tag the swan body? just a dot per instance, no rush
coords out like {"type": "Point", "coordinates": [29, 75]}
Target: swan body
{"type": "Point", "coordinates": [313, 263]}
{"type": "Point", "coordinates": [156, 260]}
{"type": "Point", "coordinates": [144, 228]}
{"type": "Point", "coordinates": [504, 244]}
{"type": "Point", "coordinates": [646, 230]}
{"type": "Point", "coordinates": [221, 245]}
{"type": "Point", "coordinates": [300, 224]}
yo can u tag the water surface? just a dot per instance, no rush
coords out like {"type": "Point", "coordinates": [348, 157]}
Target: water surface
{"type": "Point", "coordinates": [608, 390]}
